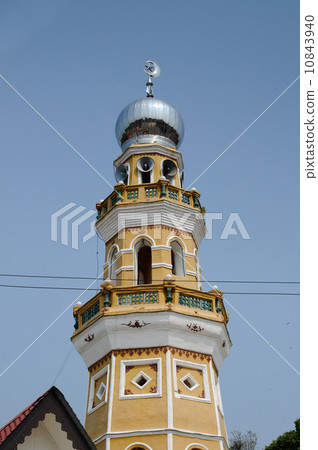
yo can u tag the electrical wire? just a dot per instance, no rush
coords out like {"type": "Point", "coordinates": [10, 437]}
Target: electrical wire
{"type": "Point", "coordinates": [191, 281]}
{"type": "Point", "coordinates": [94, 289]}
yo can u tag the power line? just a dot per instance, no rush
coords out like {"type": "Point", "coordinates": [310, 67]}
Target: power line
{"type": "Point", "coordinates": [191, 281]}
{"type": "Point", "coordinates": [91, 289]}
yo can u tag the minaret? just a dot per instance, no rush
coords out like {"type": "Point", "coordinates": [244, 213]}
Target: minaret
{"type": "Point", "coordinates": [152, 339]}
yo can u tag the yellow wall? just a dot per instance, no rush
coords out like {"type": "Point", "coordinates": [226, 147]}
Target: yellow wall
{"type": "Point", "coordinates": [160, 236]}
{"type": "Point", "coordinates": [130, 414]}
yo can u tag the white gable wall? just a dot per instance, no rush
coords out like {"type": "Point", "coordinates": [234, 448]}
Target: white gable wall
{"type": "Point", "coordinates": [47, 436]}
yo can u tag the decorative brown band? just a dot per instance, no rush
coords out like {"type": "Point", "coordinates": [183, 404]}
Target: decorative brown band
{"type": "Point", "coordinates": [156, 350]}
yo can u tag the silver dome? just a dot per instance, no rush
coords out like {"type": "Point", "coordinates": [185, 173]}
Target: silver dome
{"type": "Point", "coordinates": [147, 120]}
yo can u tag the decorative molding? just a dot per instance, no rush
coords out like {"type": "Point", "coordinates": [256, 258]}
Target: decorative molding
{"type": "Point", "coordinates": [160, 247]}
{"type": "Point", "coordinates": [123, 391]}
{"type": "Point", "coordinates": [139, 237]}
{"type": "Point", "coordinates": [96, 376]}
{"type": "Point", "coordinates": [136, 324]}
{"type": "Point", "coordinates": [189, 272]}
{"type": "Point", "coordinates": [168, 329]}
{"type": "Point", "coordinates": [205, 394]}
{"type": "Point", "coordinates": [89, 338]}
{"type": "Point", "coordinates": [177, 238]}
{"type": "Point", "coordinates": [156, 350]}
{"type": "Point", "coordinates": [165, 265]}
{"type": "Point", "coordinates": [194, 327]}
{"type": "Point", "coordinates": [124, 268]}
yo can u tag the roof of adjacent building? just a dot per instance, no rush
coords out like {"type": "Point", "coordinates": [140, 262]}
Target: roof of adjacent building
{"type": "Point", "coordinates": [52, 401]}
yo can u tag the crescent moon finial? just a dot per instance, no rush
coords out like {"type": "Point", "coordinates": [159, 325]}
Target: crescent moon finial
{"type": "Point", "coordinates": [153, 70]}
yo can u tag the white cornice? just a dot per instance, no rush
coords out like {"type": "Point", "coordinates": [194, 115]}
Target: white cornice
{"type": "Point", "coordinates": [163, 213]}
{"type": "Point", "coordinates": [165, 328]}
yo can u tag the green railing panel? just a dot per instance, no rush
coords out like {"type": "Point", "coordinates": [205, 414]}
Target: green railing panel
{"type": "Point", "coordinates": [195, 302]}
{"type": "Point", "coordinates": [91, 312]}
{"type": "Point", "coordinates": [132, 194]}
{"type": "Point", "coordinates": [138, 298]}
{"type": "Point", "coordinates": [173, 194]}
{"type": "Point", "coordinates": [186, 199]}
{"type": "Point", "coordinates": [151, 192]}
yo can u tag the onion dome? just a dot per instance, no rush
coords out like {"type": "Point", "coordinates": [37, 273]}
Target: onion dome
{"type": "Point", "coordinates": [149, 120]}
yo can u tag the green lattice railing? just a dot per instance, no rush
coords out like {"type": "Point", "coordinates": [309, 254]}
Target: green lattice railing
{"type": "Point", "coordinates": [151, 192]}
{"type": "Point", "coordinates": [138, 298]}
{"type": "Point", "coordinates": [173, 194]}
{"type": "Point", "coordinates": [195, 302]}
{"type": "Point", "coordinates": [132, 193]}
{"type": "Point", "coordinates": [91, 312]}
{"type": "Point", "coordinates": [186, 199]}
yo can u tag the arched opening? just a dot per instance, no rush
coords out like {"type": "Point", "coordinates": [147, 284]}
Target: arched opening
{"type": "Point", "coordinates": [143, 262]}
{"type": "Point", "coordinates": [113, 266]}
{"type": "Point", "coordinates": [138, 446]}
{"type": "Point", "coordinates": [196, 447]}
{"type": "Point", "coordinates": [177, 259]}
{"type": "Point", "coordinates": [145, 167]}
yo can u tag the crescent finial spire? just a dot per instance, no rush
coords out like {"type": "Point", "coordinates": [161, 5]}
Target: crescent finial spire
{"type": "Point", "coordinates": [153, 70]}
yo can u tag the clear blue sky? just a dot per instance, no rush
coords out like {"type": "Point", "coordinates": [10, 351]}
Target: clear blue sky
{"type": "Point", "coordinates": [223, 63]}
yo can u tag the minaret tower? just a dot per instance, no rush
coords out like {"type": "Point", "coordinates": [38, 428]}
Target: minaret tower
{"type": "Point", "coordinates": [152, 339]}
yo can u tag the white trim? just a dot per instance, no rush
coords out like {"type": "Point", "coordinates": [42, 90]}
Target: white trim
{"type": "Point", "coordinates": [125, 250]}
{"type": "Point", "coordinates": [142, 236]}
{"type": "Point", "coordinates": [110, 252]}
{"type": "Point", "coordinates": [197, 366]}
{"type": "Point", "coordinates": [161, 431]}
{"type": "Point", "coordinates": [161, 247]}
{"type": "Point", "coordinates": [131, 446]}
{"type": "Point", "coordinates": [112, 258]}
{"type": "Point", "coordinates": [215, 401]}
{"type": "Point", "coordinates": [95, 377]}
{"type": "Point", "coordinates": [189, 272]}
{"type": "Point", "coordinates": [195, 384]}
{"type": "Point", "coordinates": [169, 389]}
{"type": "Point", "coordinates": [146, 377]}
{"type": "Point", "coordinates": [169, 441]}
{"type": "Point", "coordinates": [177, 238]}
{"type": "Point", "coordinates": [166, 265]}
{"type": "Point", "coordinates": [124, 268]}
{"type": "Point", "coordinates": [203, 447]}
{"type": "Point", "coordinates": [190, 255]}
{"type": "Point", "coordinates": [138, 362]}
{"type": "Point", "coordinates": [111, 394]}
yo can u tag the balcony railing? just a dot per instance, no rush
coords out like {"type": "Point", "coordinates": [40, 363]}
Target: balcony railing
{"type": "Point", "coordinates": [148, 298]}
{"type": "Point", "coordinates": [149, 192]}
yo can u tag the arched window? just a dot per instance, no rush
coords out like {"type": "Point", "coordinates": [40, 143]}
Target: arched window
{"type": "Point", "coordinates": [196, 447]}
{"type": "Point", "coordinates": [113, 266]}
{"type": "Point", "coordinates": [177, 259]}
{"type": "Point", "coordinates": [138, 446]}
{"type": "Point", "coordinates": [143, 261]}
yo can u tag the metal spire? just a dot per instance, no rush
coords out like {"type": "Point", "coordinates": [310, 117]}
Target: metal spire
{"type": "Point", "coordinates": [153, 71]}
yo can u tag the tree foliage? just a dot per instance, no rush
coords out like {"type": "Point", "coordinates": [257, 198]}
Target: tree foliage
{"type": "Point", "coordinates": [287, 441]}
{"type": "Point", "coordinates": [241, 441]}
